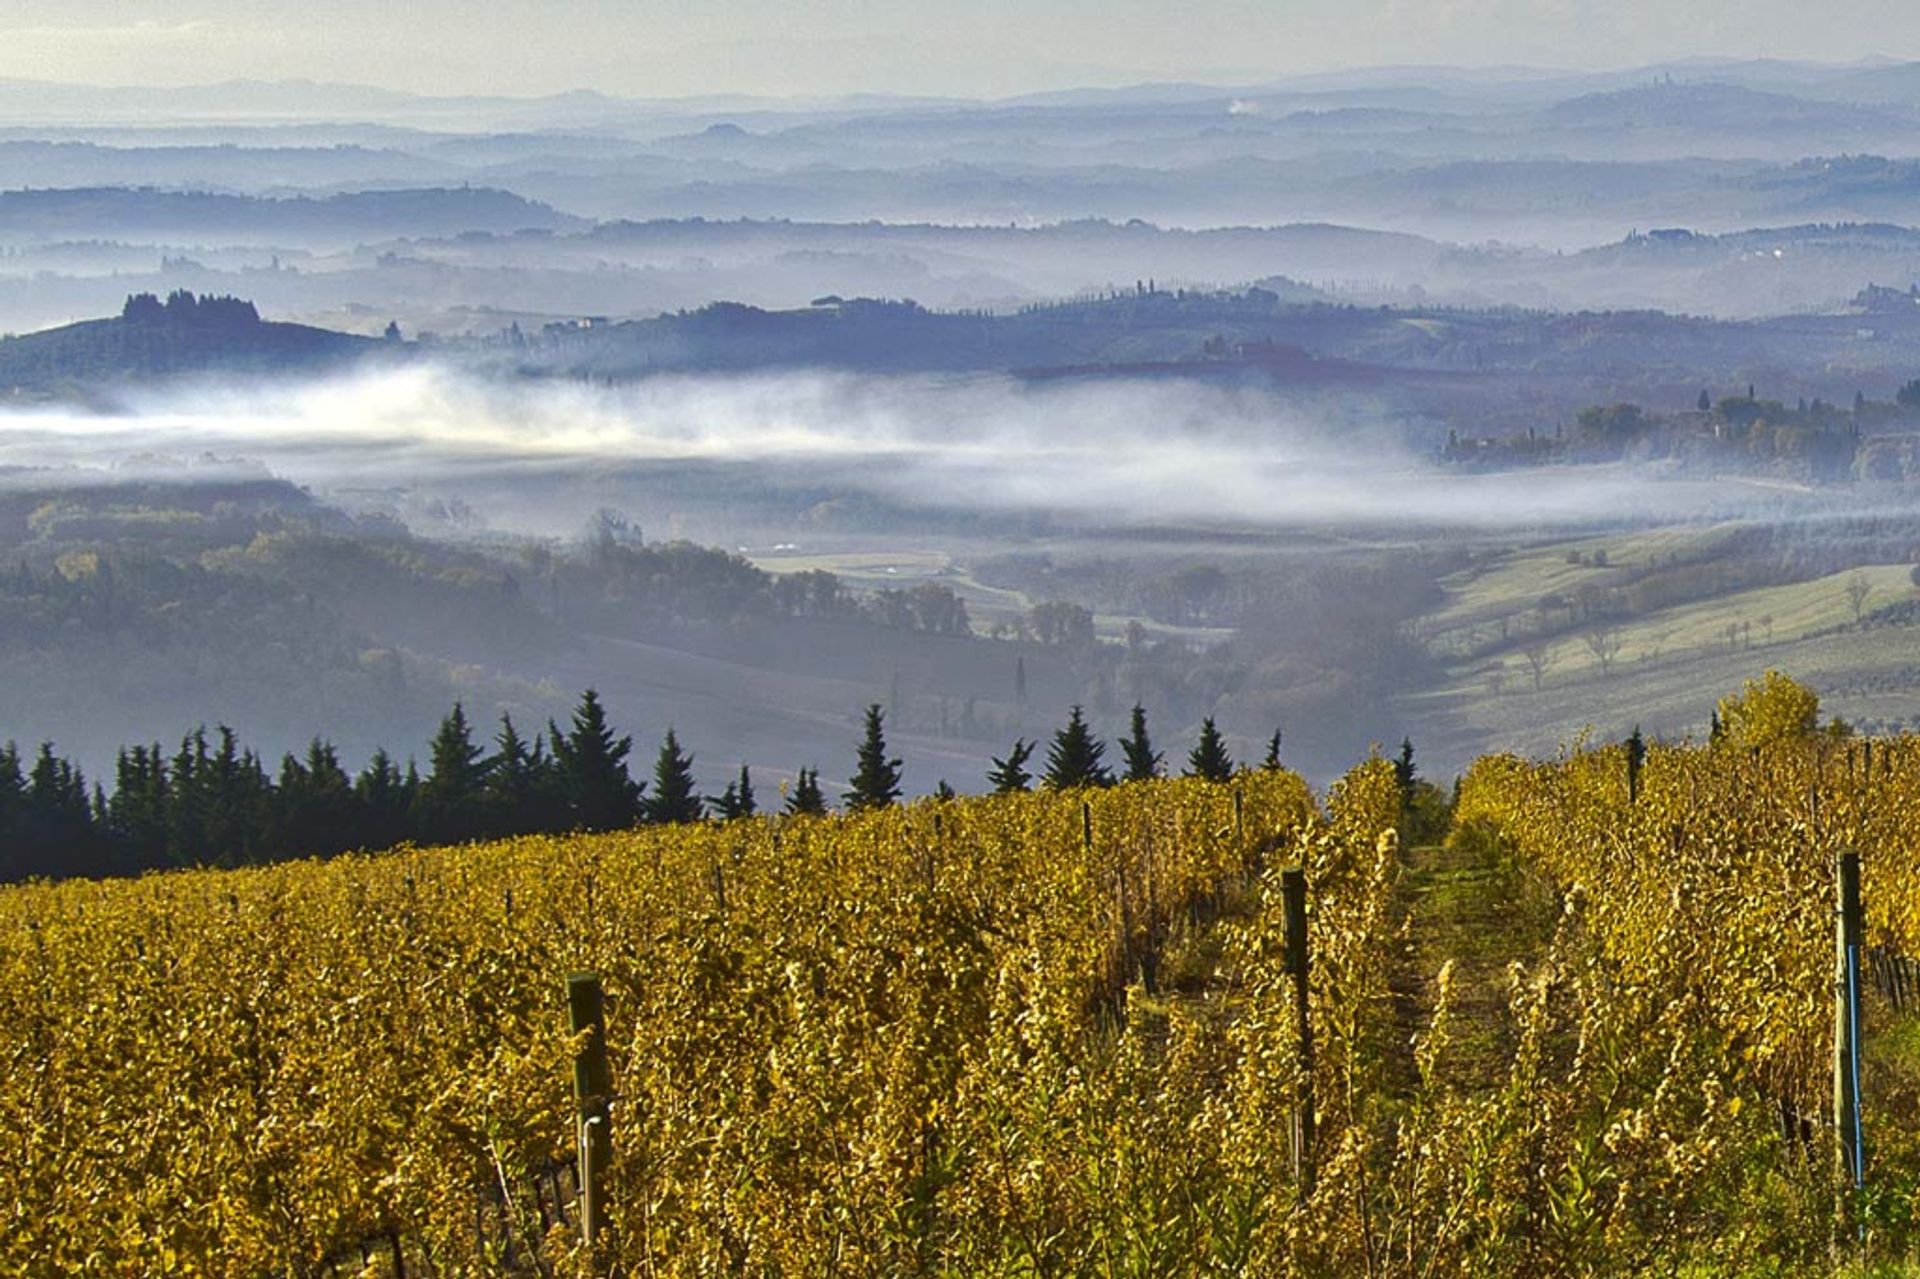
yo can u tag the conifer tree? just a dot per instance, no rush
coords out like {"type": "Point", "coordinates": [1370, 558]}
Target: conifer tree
{"type": "Point", "coordinates": [316, 811]}
{"type": "Point", "coordinates": [452, 798]}
{"type": "Point", "coordinates": [1404, 770]}
{"type": "Point", "coordinates": [523, 795]}
{"type": "Point", "coordinates": [942, 791]}
{"type": "Point", "coordinates": [384, 800]}
{"type": "Point", "coordinates": [876, 779]}
{"type": "Point", "coordinates": [805, 799]}
{"type": "Point", "coordinates": [58, 818]}
{"type": "Point", "coordinates": [1073, 757]}
{"type": "Point", "coordinates": [136, 818]}
{"type": "Point", "coordinates": [1209, 758]}
{"type": "Point", "coordinates": [1272, 761]}
{"type": "Point", "coordinates": [1143, 762]}
{"type": "Point", "coordinates": [1009, 775]}
{"type": "Point", "coordinates": [592, 764]}
{"type": "Point", "coordinates": [736, 800]}
{"type": "Point", "coordinates": [13, 805]}
{"type": "Point", "coordinates": [674, 798]}
{"type": "Point", "coordinates": [1636, 759]}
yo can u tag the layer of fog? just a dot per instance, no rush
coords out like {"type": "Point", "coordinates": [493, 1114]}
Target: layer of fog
{"type": "Point", "coordinates": [1108, 452]}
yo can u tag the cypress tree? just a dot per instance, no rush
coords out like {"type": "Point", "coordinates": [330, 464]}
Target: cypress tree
{"type": "Point", "coordinates": [1010, 774]}
{"type": "Point", "coordinates": [674, 798]}
{"type": "Point", "coordinates": [876, 780]}
{"type": "Point", "coordinates": [1636, 759]}
{"type": "Point", "coordinates": [593, 769]}
{"type": "Point", "coordinates": [1143, 762]}
{"type": "Point", "coordinates": [1073, 757]}
{"type": "Point", "coordinates": [805, 799]}
{"type": "Point", "coordinates": [1209, 758]}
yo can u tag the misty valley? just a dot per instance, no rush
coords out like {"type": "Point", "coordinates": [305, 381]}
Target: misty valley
{"type": "Point", "coordinates": [1306, 677]}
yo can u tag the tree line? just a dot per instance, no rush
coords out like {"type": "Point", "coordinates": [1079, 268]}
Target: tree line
{"type": "Point", "coordinates": [212, 802]}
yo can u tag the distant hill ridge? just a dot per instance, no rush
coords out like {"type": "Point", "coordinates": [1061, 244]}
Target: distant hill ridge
{"type": "Point", "coordinates": [150, 338]}
{"type": "Point", "coordinates": [380, 215]}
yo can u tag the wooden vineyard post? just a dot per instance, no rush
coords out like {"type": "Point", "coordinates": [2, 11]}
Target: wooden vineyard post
{"type": "Point", "coordinates": [1849, 1148]}
{"type": "Point", "coordinates": [1293, 888]}
{"type": "Point", "coordinates": [593, 1096]}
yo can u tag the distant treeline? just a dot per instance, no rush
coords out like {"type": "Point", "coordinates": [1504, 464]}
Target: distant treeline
{"type": "Point", "coordinates": [211, 802]}
{"type": "Point", "coordinates": [1812, 440]}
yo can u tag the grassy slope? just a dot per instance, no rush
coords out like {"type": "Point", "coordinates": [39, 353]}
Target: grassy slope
{"type": "Point", "coordinates": [1672, 663]}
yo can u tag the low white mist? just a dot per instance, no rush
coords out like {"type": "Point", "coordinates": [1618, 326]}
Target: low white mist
{"type": "Point", "coordinates": [1113, 451]}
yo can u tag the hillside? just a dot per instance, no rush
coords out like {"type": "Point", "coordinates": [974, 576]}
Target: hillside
{"type": "Point", "coordinates": [1048, 1032]}
{"type": "Point", "coordinates": [154, 339]}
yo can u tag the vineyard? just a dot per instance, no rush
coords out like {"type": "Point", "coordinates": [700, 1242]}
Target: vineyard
{"type": "Point", "coordinates": [1034, 1034]}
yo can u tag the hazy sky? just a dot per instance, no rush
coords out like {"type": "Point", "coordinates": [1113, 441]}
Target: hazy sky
{"type": "Point", "coordinates": [975, 47]}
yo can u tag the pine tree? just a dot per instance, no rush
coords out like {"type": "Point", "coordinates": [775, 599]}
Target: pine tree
{"type": "Point", "coordinates": [136, 818]}
{"type": "Point", "coordinates": [876, 780]}
{"type": "Point", "coordinates": [674, 797]}
{"type": "Point", "coordinates": [593, 769]}
{"type": "Point", "coordinates": [1010, 774]}
{"type": "Point", "coordinates": [1073, 757]}
{"type": "Point", "coordinates": [384, 800]}
{"type": "Point", "coordinates": [942, 791]}
{"type": "Point", "coordinates": [736, 800]}
{"type": "Point", "coordinates": [1272, 762]}
{"type": "Point", "coordinates": [314, 805]}
{"type": "Point", "coordinates": [523, 795]}
{"type": "Point", "coordinates": [452, 799]}
{"type": "Point", "coordinates": [1209, 758]}
{"type": "Point", "coordinates": [58, 820]}
{"type": "Point", "coordinates": [1143, 762]}
{"type": "Point", "coordinates": [805, 800]}
{"type": "Point", "coordinates": [13, 808]}
{"type": "Point", "coordinates": [1404, 770]}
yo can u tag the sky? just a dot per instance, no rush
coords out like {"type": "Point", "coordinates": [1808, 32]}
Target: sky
{"type": "Point", "coordinates": [976, 48]}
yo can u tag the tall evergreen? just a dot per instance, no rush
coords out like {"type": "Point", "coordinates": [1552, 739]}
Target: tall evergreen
{"type": "Point", "coordinates": [1074, 756]}
{"type": "Point", "coordinates": [1009, 775]}
{"type": "Point", "coordinates": [137, 814]}
{"type": "Point", "coordinates": [385, 801]}
{"type": "Point", "coordinates": [736, 800]}
{"type": "Point", "coordinates": [236, 804]}
{"type": "Point", "coordinates": [805, 800]}
{"type": "Point", "coordinates": [876, 779]}
{"type": "Point", "coordinates": [1143, 762]}
{"type": "Point", "coordinates": [1272, 761]}
{"type": "Point", "coordinates": [317, 811]}
{"type": "Point", "coordinates": [1405, 772]}
{"type": "Point", "coordinates": [13, 808]}
{"type": "Point", "coordinates": [58, 818]}
{"type": "Point", "coordinates": [674, 798]}
{"type": "Point", "coordinates": [452, 799]}
{"type": "Point", "coordinates": [523, 793]}
{"type": "Point", "coordinates": [1209, 758]}
{"type": "Point", "coordinates": [593, 770]}
{"type": "Point", "coordinates": [1636, 760]}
